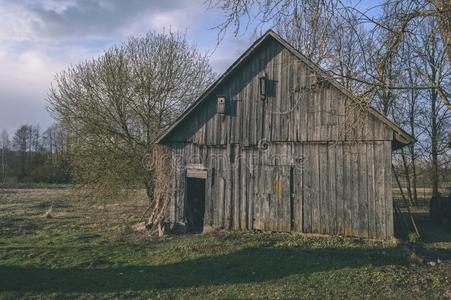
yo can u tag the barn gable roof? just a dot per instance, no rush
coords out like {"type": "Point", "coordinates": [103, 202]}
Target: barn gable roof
{"type": "Point", "coordinates": [401, 138]}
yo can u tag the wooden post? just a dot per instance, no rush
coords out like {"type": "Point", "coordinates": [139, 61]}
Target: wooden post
{"type": "Point", "coordinates": [407, 203]}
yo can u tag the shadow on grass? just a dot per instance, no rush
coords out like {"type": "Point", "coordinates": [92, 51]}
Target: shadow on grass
{"type": "Point", "coordinates": [429, 230]}
{"type": "Point", "coordinates": [250, 265]}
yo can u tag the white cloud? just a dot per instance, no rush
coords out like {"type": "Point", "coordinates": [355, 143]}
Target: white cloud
{"type": "Point", "coordinates": [41, 38]}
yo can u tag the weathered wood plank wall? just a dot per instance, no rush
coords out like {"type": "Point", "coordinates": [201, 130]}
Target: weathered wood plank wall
{"type": "Point", "coordinates": [326, 168]}
{"type": "Point", "coordinates": [259, 184]}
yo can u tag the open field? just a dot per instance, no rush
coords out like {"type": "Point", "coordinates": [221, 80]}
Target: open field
{"type": "Point", "coordinates": [89, 250]}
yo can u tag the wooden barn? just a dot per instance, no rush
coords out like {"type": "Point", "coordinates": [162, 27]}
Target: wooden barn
{"type": "Point", "coordinates": [276, 144]}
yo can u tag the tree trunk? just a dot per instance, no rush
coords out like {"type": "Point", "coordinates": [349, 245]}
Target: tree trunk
{"type": "Point", "coordinates": [434, 143]}
{"type": "Point", "coordinates": [148, 183]}
{"type": "Point", "coordinates": [414, 173]}
{"type": "Point", "coordinates": [407, 176]}
{"type": "Point", "coordinates": [444, 21]}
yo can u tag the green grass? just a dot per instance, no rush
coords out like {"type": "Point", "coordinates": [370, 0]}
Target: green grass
{"type": "Point", "coordinates": [89, 250]}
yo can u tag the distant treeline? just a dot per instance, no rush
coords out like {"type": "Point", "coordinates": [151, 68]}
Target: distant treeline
{"type": "Point", "coordinates": [35, 155]}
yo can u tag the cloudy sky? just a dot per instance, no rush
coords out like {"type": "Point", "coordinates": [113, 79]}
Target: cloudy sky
{"type": "Point", "coordinates": [39, 38]}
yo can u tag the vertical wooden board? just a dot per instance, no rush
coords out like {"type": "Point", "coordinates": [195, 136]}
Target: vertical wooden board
{"type": "Point", "coordinates": [304, 105]}
{"type": "Point", "coordinates": [181, 196]}
{"type": "Point", "coordinates": [317, 112]}
{"type": "Point", "coordinates": [236, 188]}
{"type": "Point", "coordinates": [269, 199]}
{"type": "Point", "coordinates": [311, 108]}
{"type": "Point", "coordinates": [306, 189]}
{"type": "Point", "coordinates": [213, 184]}
{"type": "Point", "coordinates": [276, 189]}
{"type": "Point", "coordinates": [176, 194]}
{"type": "Point", "coordinates": [221, 204]}
{"type": "Point", "coordinates": [339, 188]}
{"type": "Point", "coordinates": [261, 190]}
{"type": "Point", "coordinates": [379, 130]}
{"type": "Point", "coordinates": [231, 116]}
{"type": "Point", "coordinates": [173, 211]}
{"type": "Point", "coordinates": [341, 134]}
{"type": "Point", "coordinates": [274, 99]}
{"type": "Point", "coordinates": [285, 94]}
{"type": "Point", "coordinates": [238, 113]}
{"type": "Point", "coordinates": [276, 198]}
{"type": "Point", "coordinates": [348, 119]}
{"type": "Point", "coordinates": [298, 155]}
{"type": "Point", "coordinates": [372, 128]}
{"type": "Point", "coordinates": [228, 191]}
{"type": "Point", "coordinates": [178, 186]}
{"type": "Point", "coordinates": [332, 192]}
{"type": "Point", "coordinates": [257, 196]}
{"type": "Point", "coordinates": [379, 190]}
{"type": "Point", "coordinates": [309, 196]}
{"type": "Point", "coordinates": [280, 100]}
{"type": "Point", "coordinates": [284, 199]}
{"type": "Point", "coordinates": [215, 129]}
{"type": "Point", "coordinates": [325, 111]}
{"type": "Point", "coordinates": [281, 194]}
{"type": "Point", "coordinates": [347, 189]}
{"type": "Point", "coordinates": [287, 190]}
{"type": "Point", "coordinates": [218, 190]}
{"type": "Point", "coordinates": [268, 104]}
{"type": "Point", "coordinates": [323, 189]}
{"type": "Point", "coordinates": [284, 215]}
{"type": "Point", "coordinates": [273, 176]}
{"type": "Point", "coordinates": [316, 191]}
{"type": "Point", "coordinates": [280, 93]}
{"type": "Point", "coordinates": [221, 187]}
{"type": "Point", "coordinates": [355, 188]}
{"type": "Point", "coordinates": [291, 79]}
{"type": "Point", "coordinates": [206, 124]}
{"type": "Point", "coordinates": [352, 119]}
{"type": "Point", "coordinates": [256, 107]}
{"type": "Point", "coordinates": [366, 129]}
{"type": "Point", "coordinates": [363, 191]}
{"type": "Point", "coordinates": [332, 114]}
{"type": "Point", "coordinates": [243, 190]}
{"type": "Point", "coordinates": [276, 195]}
{"type": "Point", "coordinates": [208, 199]}
{"type": "Point", "coordinates": [258, 193]}
{"type": "Point", "coordinates": [371, 192]}
{"type": "Point", "coordinates": [248, 191]}
{"type": "Point", "coordinates": [242, 109]}
{"type": "Point", "coordinates": [224, 130]}
{"type": "Point", "coordinates": [388, 190]}
{"type": "Point", "coordinates": [231, 120]}
{"type": "Point", "coordinates": [251, 191]}
{"type": "Point", "coordinates": [244, 115]}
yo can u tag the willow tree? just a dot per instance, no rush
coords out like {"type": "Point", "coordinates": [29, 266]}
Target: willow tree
{"type": "Point", "coordinates": [115, 105]}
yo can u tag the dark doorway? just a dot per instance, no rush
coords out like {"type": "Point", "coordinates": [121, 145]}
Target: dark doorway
{"type": "Point", "coordinates": [195, 204]}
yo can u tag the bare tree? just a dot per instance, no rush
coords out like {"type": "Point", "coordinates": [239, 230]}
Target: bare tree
{"type": "Point", "coordinates": [396, 23]}
{"type": "Point", "coordinates": [114, 106]}
{"type": "Point", "coordinates": [21, 142]}
{"type": "Point", "coordinates": [435, 70]}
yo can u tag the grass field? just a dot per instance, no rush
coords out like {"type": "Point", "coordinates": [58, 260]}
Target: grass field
{"type": "Point", "coordinates": [89, 250]}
